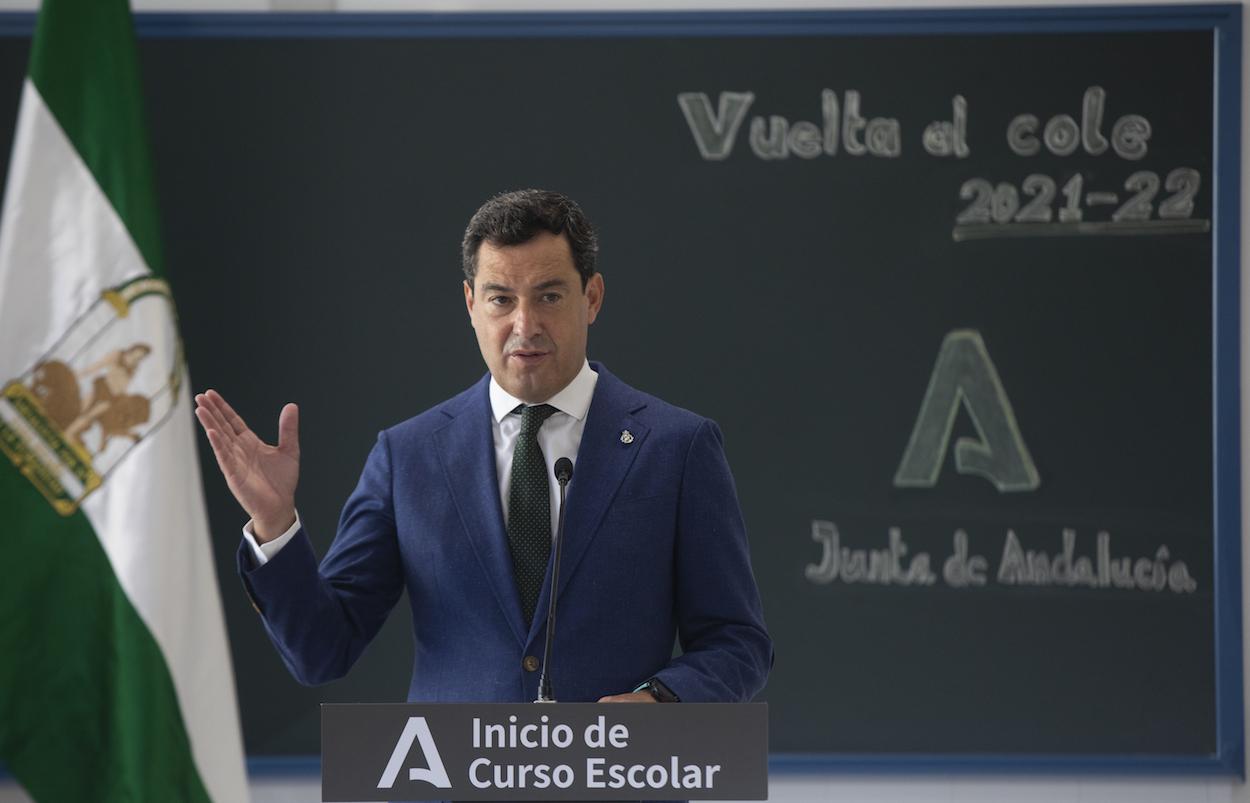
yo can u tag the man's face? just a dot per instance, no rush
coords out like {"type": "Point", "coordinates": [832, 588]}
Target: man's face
{"type": "Point", "coordinates": [531, 314]}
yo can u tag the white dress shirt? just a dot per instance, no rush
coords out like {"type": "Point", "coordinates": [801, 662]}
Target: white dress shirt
{"type": "Point", "coordinates": [559, 436]}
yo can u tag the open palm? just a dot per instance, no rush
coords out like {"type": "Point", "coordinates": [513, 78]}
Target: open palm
{"type": "Point", "coordinates": [261, 477]}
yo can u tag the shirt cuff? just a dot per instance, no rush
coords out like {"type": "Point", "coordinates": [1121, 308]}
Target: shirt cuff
{"type": "Point", "coordinates": [265, 552]}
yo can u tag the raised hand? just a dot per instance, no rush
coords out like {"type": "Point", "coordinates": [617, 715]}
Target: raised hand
{"type": "Point", "coordinates": [261, 477]}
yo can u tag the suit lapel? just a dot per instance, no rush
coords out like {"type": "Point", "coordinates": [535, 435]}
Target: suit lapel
{"type": "Point", "coordinates": [467, 450]}
{"type": "Point", "coordinates": [603, 460]}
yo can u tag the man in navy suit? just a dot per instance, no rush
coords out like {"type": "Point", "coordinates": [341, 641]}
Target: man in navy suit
{"type": "Point", "coordinates": [457, 507]}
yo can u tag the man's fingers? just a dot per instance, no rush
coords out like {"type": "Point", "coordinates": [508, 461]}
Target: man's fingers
{"type": "Point", "coordinates": [204, 414]}
{"type": "Point", "coordinates": [631, 697]}
{"type": "Point", "coordinates": [222, 451]}
{"type": "Point", "coordinates": [226, 412]}
{"type": "Point", "coordinates": [210, 419]}
{"type": "Point", "coordinates": [288, 430]}
{"type": "Point", "coordinates": [206, 403]}
{"type": "Point", "coordinates": [226, 446]}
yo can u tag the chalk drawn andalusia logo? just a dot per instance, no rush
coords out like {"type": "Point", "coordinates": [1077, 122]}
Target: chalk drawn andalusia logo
{"type": "Point", "coordinates": [110, 381]}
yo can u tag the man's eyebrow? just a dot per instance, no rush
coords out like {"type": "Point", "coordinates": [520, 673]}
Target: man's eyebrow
{"type": "Point", "coordinates": [491, 287]}
{"type": "Point", "coordinates": [550, 283]}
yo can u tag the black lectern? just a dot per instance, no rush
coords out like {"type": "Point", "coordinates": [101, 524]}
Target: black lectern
{"type": "Point", "coordinates": [560, 751]}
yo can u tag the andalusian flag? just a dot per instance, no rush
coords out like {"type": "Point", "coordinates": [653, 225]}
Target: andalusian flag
{"type": "Point", "coordinates": [115, 677]}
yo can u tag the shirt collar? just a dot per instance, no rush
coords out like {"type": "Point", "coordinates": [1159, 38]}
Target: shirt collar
{"type": "Point", "coordinates": [573, 399]}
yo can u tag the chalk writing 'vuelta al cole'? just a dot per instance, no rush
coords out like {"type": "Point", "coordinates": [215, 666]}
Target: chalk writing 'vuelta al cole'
{"type": "Point", "coordinates": [844, 128]}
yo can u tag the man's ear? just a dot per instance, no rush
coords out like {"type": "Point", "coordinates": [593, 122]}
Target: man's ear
{"type": "Point", "coordinates": [468, 300]}
{"type": "Point", "coordinates": [594, 296]}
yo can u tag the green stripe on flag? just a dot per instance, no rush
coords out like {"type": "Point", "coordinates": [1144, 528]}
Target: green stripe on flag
{"type": "Point", "coordinates": [115, 681]}
{"type": "Point", "coordinates": [84, 64]}
{"type": "Point", "coordinates": [89, 710]}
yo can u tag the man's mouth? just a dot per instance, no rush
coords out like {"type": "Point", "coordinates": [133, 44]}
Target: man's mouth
{"type": "Point", "coordinates": [528, 356]}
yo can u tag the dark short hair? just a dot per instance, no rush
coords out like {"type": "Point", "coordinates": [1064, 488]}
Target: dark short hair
{"type": "Point", "coordinates": [516, 217]}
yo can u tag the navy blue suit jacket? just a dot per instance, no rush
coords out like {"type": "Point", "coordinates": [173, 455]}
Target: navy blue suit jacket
{"type": "Point", "coordinates": [655, 549]}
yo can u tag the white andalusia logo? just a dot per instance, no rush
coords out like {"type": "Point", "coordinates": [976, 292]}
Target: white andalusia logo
{"type": "Point", "coordinates": [434, 774]}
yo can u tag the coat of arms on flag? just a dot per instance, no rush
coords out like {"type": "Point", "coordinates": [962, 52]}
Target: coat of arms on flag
{"type": "Point", "coordinates": [103, 387]}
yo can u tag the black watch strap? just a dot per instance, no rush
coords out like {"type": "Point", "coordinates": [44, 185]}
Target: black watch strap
{"type": "Point", "coordinates": [657, 689]}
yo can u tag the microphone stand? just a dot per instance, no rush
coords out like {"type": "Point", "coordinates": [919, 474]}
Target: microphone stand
{"type": "Point", "coordinates": [564, 472]}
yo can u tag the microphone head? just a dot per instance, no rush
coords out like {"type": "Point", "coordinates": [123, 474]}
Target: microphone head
{"type": "Point", "coordinates": [564, 470]}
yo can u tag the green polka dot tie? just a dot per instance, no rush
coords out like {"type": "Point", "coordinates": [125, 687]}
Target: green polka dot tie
{"type": "Point", "coordinates": [529, 508]}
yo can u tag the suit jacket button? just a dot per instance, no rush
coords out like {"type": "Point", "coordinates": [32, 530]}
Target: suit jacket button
{"type": "Point", "coordinates": [530, 663]}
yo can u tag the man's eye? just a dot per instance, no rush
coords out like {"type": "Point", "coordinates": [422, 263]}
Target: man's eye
{"type": "Point", "coordinates": [551, 298]}
{"type": "Point", "coordinates": [499, 301]}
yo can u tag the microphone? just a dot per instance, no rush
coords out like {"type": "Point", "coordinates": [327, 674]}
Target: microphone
{"type": "Point", "coordinates": [564, 473]}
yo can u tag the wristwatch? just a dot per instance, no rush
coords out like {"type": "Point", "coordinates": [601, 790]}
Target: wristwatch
{"type": "Point", "coordinates": [661, 693]}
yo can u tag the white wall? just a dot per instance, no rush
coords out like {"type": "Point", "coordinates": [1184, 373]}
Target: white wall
{"type": "Point", "coordinates": [795, 788]}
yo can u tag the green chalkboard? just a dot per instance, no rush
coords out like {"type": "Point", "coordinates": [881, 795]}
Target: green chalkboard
{"type": "Point", "coordinates": [960, 289]}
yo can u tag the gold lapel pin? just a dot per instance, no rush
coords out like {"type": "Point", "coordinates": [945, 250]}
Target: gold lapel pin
{"type": "Point", "coordinates": [627, 437]}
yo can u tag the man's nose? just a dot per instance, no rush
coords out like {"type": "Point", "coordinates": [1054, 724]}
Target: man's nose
{"type": "Point", "coordinates": [527, 322]}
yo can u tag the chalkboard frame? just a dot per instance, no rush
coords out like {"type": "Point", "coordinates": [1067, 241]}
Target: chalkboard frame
{"type": "Point", "coordinates": [1224, 21]}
